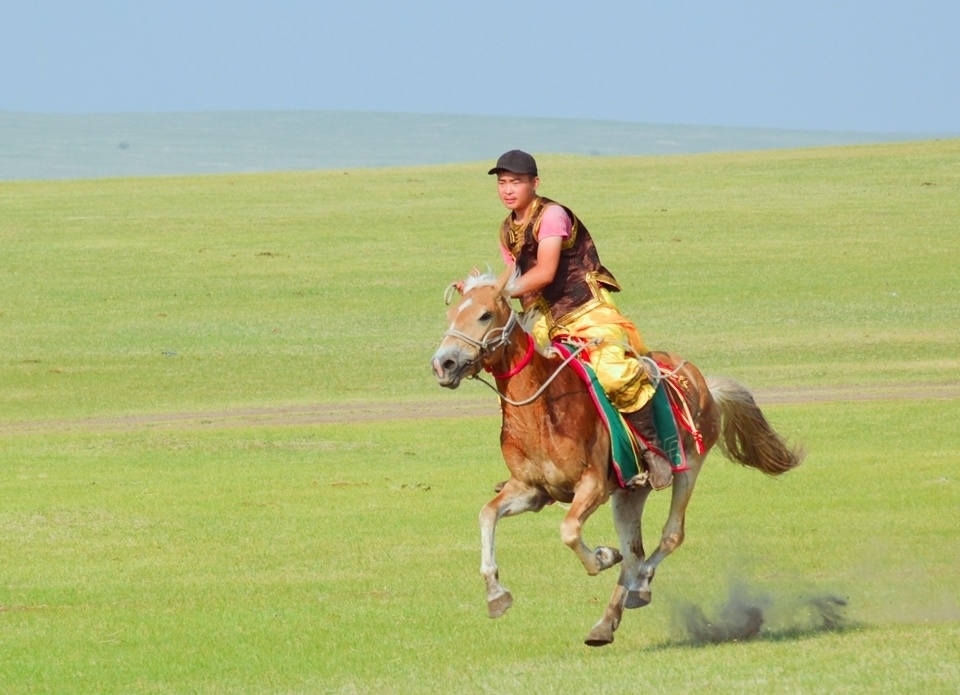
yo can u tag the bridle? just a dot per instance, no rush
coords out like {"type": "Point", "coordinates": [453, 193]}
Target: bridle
{"type": "Point", "coordinates": [496, 338]}
{"type": "Point", "coordinates": [499, 336]}
{"type": "Point", "coordinates": [492, 340]}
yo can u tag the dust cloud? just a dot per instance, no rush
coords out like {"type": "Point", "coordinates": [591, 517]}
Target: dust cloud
{"type": "Point", "coordinates": [750, 613]}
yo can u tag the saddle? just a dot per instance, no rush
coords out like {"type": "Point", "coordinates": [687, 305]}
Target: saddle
{"type": "Point", "coordinates": [677, 389]}
{"type": "Point", "coordinates": [670, 407]}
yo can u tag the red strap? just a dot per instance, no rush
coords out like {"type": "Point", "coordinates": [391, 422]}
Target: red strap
{"type": "Point", "coordinates": [531, 345]}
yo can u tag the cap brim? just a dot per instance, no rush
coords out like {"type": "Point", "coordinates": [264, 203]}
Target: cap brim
{"type": "Point", "coordinates": [498, 170]}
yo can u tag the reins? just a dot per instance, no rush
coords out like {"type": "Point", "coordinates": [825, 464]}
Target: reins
{"type": "Point", "coordinates": [496, 338]}
{"type": "Point", "coordinates": [655, 372]}
{"type": "Point", "coordinates": [543, 387]}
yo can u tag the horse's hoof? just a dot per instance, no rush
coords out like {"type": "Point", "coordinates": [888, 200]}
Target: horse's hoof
{"type": "Point", "coordinates": [638, 599]}
{"type": "Point", "coordinates": [599, 636]}
{"type": "Point", "coordinates": [499, 605]}
{"type": "Point", "coordinates": [608, 557]}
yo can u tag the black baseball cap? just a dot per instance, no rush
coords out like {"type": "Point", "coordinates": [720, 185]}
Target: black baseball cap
{"type": "Point", "coordinates": [516, 162]}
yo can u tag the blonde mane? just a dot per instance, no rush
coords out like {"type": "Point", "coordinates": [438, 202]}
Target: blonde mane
{"type": "Point", "coordinates": [527, 319]}
{"type": "Point", "coordinates": [489, 279]}
{"type": "Point", "coordinates": [475, 280]}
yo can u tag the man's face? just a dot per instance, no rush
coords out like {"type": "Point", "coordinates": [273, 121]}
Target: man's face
{"type": "Point", "coordinates": [517, 191]}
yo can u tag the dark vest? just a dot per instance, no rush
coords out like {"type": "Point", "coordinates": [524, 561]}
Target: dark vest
{"type": "Point", "coordinates": [575, 288]}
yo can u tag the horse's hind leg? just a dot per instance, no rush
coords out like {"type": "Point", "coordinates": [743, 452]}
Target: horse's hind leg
{"type": "Point", "coordinates": [627, 512]}
{"type": "Point", "coordinates": [512, 500]}
{"type": "Point", "coordinates": [589, 496]}
{"type": "Point", "coordinates": [671, 538]}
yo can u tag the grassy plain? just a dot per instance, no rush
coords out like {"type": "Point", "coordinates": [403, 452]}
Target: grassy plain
{"type": "Point", "coordinates": [140, 552]}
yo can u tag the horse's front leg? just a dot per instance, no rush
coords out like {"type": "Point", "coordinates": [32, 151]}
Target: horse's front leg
{"type": "Point", "coordinates": [515, 498]}
{"type": "Point", "coordinates": [589, 496]}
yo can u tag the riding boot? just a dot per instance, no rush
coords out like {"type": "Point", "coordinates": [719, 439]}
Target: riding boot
{"type": "Point", "coordinates": [659, 468]}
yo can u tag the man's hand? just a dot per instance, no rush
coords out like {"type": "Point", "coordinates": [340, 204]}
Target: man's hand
{"type": "Point", "coordinates": [542, 274]}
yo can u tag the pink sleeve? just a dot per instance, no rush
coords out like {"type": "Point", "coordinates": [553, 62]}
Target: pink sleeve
{"type": "Point", "coordinates": [555, 223]}
{"type": "Point", "coordinates": [507, 256]}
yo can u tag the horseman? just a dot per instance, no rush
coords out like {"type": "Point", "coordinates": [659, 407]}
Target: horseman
{"type": "Point", "coordinates": [557, 271]}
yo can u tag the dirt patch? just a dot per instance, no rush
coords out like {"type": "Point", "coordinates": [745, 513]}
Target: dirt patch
{"type": "Point", "coordinates": [814, 394]}
{"type": "Point", "coordinates": [258, 417]}
{"type": "Point", "coordinates": [444, 406]}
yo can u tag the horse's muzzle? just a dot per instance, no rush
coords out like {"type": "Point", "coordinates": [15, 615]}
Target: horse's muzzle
{"type": "Point", "coordinates": [450, 365]}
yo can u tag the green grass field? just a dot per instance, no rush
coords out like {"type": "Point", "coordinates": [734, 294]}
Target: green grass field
{"type": "Point", "coordinates": [167, 526]}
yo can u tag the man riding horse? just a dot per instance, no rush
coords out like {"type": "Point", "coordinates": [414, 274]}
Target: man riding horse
{"type": "Point", "coordinates": [554, 441]}
{"type": "Point", "coordinates": [557, 271]}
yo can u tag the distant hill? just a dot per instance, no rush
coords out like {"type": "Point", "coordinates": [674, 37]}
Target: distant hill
{"type": "Point", "coordinates": [62, 146]}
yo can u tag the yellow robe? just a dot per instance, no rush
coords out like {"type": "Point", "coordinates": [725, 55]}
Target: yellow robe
{"type": "Point", "coordinates": [615, 359]}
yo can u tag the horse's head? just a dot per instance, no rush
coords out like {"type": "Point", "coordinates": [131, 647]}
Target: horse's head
{"type": "Point", "coordinates": [480, 324]}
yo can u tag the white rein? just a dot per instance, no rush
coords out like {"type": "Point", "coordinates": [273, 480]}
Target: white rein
{"type": "Point", "coordinates": [543, 387]}
{"type": "Point", "coordinates": [496, 338]}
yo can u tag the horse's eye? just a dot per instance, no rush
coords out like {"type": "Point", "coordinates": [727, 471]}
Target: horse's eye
{"type": "Point", "coordinates": [485, 316]}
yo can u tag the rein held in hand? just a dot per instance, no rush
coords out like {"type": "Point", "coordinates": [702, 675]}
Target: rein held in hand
{"type": "Point", "coordinates": [496, 338]}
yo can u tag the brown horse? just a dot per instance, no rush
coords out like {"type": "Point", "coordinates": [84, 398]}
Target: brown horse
{"type": "Point", "coordinates": [558, 449]}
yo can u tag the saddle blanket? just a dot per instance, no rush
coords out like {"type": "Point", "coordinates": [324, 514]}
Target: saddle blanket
{"type": "Point", "coordinates": [624, 454]}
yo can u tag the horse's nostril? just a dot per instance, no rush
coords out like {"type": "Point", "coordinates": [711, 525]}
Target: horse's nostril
{"type": "Point", "coordinates": [449, 365]}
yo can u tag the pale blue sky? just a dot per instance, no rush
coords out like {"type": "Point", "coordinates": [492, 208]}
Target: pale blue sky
{"type": "Point", "coordinates": [824, 65]}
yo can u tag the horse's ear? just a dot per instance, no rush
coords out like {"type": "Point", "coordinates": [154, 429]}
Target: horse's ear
{"type": "Point", "coordinates": [506, 280]}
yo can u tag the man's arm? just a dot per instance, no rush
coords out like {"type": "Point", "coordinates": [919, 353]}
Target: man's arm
{"type": "Point", "coordinates": [542, 274]}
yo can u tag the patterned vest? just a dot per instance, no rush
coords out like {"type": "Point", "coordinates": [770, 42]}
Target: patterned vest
{"type": "Point", "coordinates": [575, 289]}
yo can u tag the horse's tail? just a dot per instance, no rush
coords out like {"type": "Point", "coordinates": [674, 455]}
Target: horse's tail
{"type": "Point", "coordinates": [745, 435]}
